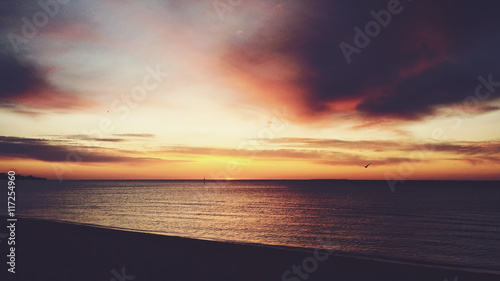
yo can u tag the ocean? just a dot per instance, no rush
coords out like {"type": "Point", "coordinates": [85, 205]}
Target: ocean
{"type": "Point", "coordinates": [427, 222]}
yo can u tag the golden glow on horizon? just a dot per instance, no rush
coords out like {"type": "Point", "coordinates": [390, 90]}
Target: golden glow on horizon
{"type": "Point", "coordinates": [256, 170]}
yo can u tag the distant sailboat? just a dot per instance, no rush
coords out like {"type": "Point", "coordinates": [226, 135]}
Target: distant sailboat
{"type": "Point", "coordinates": [203, 180]}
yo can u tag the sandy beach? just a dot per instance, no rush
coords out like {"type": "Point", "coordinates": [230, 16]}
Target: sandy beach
{"type": "Point", "coordinates": [47, 250]}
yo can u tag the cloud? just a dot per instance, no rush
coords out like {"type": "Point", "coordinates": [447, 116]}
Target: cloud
{"type": "Point", "coordinates": [274, 52]}
{"type": "Point", "coordinates": [246, 153]}
{"type": "Point", "coordinates": [458, 147]}
{"type": "Point", "coordinates": [318, 156]}
{"type": "Point", "coordinates": [87, 138]}
{"type": "Point", "coordinates": [135, 135]}
{"type": "Point", "coordinates": [354, 152]}
{"type": "Point", "coordinates": [18, 78]}
{"type": "Point", "coordinates": [430, 55]}
{"type": "Point", "coordinates": [25, 78]}
{"type": "Point", "coordinates": [25, 89]}
{"type": "Point", "coordinates": [121, 137]}
{"type": "Point", "coordinates": [478, 160]}
{"type": "Point", "coordinates": [357, 161]}
{"type": "Point", "coordinates": [319, 151]}
{"type": "Point", "coordinates": [468, 148]}
{"type": "Point", "coordinates": [48, 151]}
{"type": "Point", "coordinates": [336, 143]}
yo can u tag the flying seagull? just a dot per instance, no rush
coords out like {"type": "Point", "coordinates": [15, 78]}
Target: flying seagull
{"type": "Point", "coordinates": [367, 165]}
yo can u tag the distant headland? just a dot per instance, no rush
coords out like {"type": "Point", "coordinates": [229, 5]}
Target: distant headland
{"type": "Point", "coordinates": [5, 176]}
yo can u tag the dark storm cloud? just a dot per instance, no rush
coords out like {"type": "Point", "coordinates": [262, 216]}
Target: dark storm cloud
{"type": "Point", "coordinates": [24, 88]}
{"type": "Point", "coordinates": [24, 83]}
{"type": "Point", "coordinates": [429, 55]}
{"type": "Point", "coordinates": [18, 77]}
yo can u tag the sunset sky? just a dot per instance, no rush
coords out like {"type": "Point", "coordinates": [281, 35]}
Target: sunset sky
{"type": "Point", "coordinates": [249, 90]}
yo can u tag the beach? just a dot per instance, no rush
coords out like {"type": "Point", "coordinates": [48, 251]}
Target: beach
{"type": "Point", "coordinates": [48, 250]}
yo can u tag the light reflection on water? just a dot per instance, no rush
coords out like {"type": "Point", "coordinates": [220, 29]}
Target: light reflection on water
{"type": "Point", "coordinates": [448, 223]}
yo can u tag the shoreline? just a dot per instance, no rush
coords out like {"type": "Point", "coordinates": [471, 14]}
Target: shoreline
{"type": "Point", "coordinates": [303, 250]}
{"type": "Point", "coordinates": [50, 250]}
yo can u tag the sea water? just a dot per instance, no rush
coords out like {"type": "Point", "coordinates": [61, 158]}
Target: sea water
{"type": "Point", "coordinates": [433, 222]}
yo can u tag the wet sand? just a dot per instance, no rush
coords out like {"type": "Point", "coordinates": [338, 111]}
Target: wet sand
{"type": "Point", "coordinates": [55, 251]}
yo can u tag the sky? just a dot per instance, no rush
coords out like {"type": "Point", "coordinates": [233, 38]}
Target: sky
{"type": "Point", "coordinates": [239, 89]}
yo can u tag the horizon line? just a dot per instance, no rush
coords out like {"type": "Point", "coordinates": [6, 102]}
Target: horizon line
{"type": "Point", "coordinates": [264, 179]}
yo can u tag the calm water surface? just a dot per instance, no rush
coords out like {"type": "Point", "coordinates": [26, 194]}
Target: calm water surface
{"type": "Point", "coordinates": [451, 223]}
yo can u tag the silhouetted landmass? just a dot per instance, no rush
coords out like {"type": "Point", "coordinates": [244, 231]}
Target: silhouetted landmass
{"type": "Point", "coordinates": [5, 176]}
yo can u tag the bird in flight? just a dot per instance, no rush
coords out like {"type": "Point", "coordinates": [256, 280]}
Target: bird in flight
{"type": "Point", "coordinates": [367, 165]}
